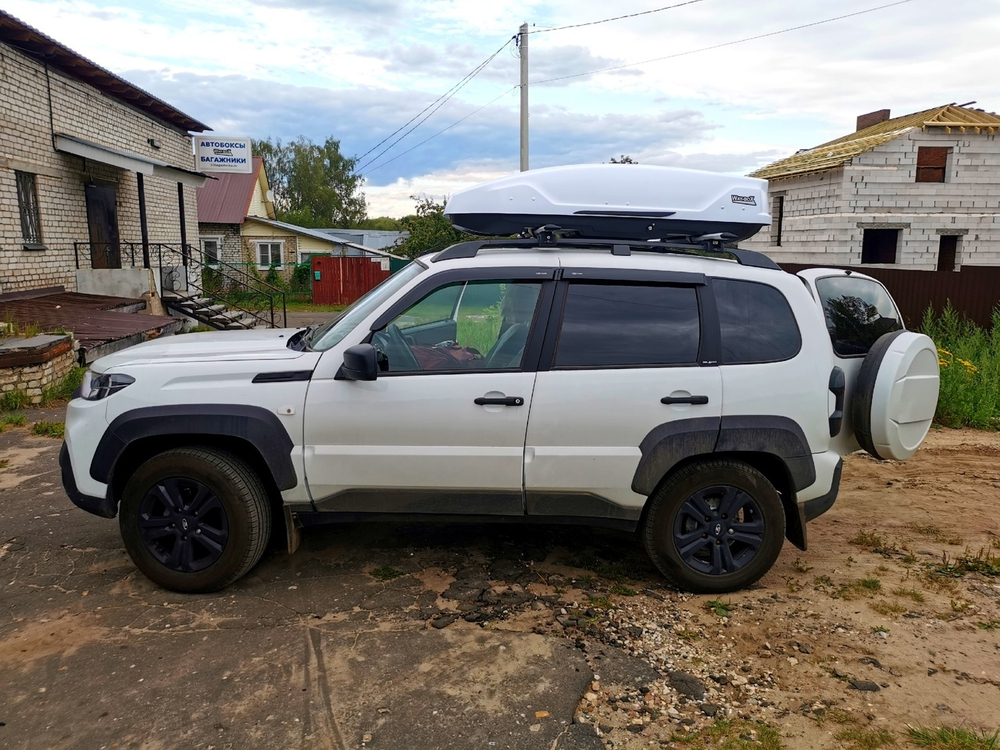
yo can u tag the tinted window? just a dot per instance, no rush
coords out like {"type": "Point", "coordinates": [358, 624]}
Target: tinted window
{"type": "Point", "coordinates": [628, 324]}
{"type": "Point", "coordinates": [858, 312]}
{"type": "Point", "coordinates": [757, 323]}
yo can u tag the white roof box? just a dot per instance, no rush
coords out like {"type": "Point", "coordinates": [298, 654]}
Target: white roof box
{"type": "Point", "coordinates": [614, 201]}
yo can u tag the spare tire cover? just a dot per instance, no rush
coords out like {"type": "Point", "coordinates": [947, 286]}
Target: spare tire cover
{"type": "Point", "coordinates": [896, 395]}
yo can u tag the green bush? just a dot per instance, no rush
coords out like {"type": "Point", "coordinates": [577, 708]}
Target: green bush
{"type": "Point", "coordinates": [969, 357]}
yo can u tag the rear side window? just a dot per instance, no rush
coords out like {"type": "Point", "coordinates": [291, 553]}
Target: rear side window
{"type": "Point", "coordinates": [858, 312]}
{"type": "Point", "coordinates": [756, 322]}
{"type": "Point", "coordinates": [628, 325]}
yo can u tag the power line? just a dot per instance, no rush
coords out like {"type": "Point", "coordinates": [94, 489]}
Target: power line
{"type": "Point", "coordinates": [723, 44]}
{"type": "Point", "coordinates": [617, 18]}
{"type": "Point", "coordinates": [430, 109]}
{"type": "Point", "coordinates": [445, 130]}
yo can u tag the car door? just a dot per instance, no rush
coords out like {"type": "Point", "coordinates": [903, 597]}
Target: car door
{"type": "Point", "coordinates": [624, 360]}
{"type": "Point", "coordinates": [441, 429]}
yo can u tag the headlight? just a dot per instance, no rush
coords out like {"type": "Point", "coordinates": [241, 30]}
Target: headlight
{"type": "Point", "coordinates": [95, 387]}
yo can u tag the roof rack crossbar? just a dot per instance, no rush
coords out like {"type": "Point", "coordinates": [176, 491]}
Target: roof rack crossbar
{"type": "Point", "coordinates": [706, 247]}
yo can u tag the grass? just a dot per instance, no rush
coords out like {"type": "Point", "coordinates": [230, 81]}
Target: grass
{"type": "Point", "coordinates": [876, 629]}
{"type": "Point", "coordinates": [10, 328]}
{"type": "Point", "coordinates": [799, 566]}
{"type": "Point", "coordinates": [386, 573]}
{"type": "Point", "coordinates": [989, 625]}
{"type": "Point", "coordinates": [14, 400]}
{"type": "Point", "coordinates": [873, 541]}
{"type": "Point", "coordinates": [310, 307]}
{"type": "Point", "coordinates": [48, 429]}
{"type": "Point", "coordinates": [984, 563]}
{"type": "Point", "coordinates": [11, 420]}
{"type": "Point", "coordinates": [621, 589]}
{"type": "Point", "coordinates": [889, 609]}
{"type": "Point", "coordinates": [719, 607]}
{"type": "Point", "coordinates": [917, 596]}
{"type": "Point", "coordinates": [687, 635]}
{"type": "Point", "coordinates": [734, 734]}
{"type": "Point", "coordinates": [954, 738]}
{"type": "Point", "coordinates": [63, 390]}
{"type": "Point", "coordinates": [863, 587]}
{"type": "Point", "coordinates": [856, 738]}
{"type": "Point", "coordinates": [601, 602]}
{"type": "Point", "coordinates": [969, 358]}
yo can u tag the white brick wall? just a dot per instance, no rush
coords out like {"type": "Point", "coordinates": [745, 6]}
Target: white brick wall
{"type": "Point", "coordinates": [26, 145]}
{"type": "Point", "coordinates": [823, 212]}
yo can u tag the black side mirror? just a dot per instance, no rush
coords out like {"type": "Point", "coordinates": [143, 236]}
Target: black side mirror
{"type": "Point", "coordinates": [359, 363]}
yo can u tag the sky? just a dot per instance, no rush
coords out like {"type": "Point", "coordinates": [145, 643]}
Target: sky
{"type": "Point", "coordinates": [357, 71]}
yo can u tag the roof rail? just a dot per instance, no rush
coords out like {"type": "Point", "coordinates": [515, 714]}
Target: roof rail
{"type": "Point", "coordinates": [708, 246]}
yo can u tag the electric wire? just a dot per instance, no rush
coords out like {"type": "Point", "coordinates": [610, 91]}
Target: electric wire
{"type": "Point", "coordinates": [445, 130]}
{"type": "Point", "coordinates": [429, 110]}
{"type": "Point", "coordinates": [616, 18]}
{"type": "Point", "coordinates": [723, 44]}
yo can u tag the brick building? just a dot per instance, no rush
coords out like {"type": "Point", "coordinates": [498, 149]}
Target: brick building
{"type": "Point", "coordinates": [918, 191]}
{"type": "Point", "coordinates": [90, 166]}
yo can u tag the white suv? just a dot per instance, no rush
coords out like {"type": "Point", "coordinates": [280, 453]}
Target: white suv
{"type": "Point", "coordinates": [624, 368]}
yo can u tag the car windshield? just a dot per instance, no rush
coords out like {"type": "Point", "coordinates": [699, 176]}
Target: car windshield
{"type": "Point", "coordinates": [330, 334]}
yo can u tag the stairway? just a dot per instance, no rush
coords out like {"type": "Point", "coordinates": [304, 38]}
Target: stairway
{"type": "Point", "coordinates": [210, 312]}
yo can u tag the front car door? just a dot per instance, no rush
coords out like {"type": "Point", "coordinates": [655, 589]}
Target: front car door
{"type": "Point", "coordinates": [624, 362]}
{"type": "Point", "coordinates": [441, 430]}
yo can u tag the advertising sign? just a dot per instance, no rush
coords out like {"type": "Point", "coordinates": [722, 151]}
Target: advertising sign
{"type": "Point", "coordinates": [215, 154]}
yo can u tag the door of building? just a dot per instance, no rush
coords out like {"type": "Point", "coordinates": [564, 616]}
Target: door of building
{"type": "Point", "coordinates": [947, 252]}
{"type": "Point", "coordinates": [102, 221]}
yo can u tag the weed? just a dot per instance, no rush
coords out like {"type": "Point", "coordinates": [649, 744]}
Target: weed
{"type": "Point", "coordinates": [882, 569]}
{"type": "Point", "coordinates": [960, 605]}
{"type": "Point", "coordinates": [687, 635]}
{"type": "Point", "coordinates": [913, 594]}
{"type": "Point", "coordinates": [909, 558]}
{"type": "Point", "coordinates": [954, 738]}
{"type": "Point", "coordinates": [48, 429]}
{"type": "Point", "coordinates": [799, 566]}
{"type": "Point", "coordinates": [10, 328]}
{"type": "Point", "coordinates": [856, 738]}
{"type": "Point", "coordinates": [386, 573]}
{"type": "Point", "coordinates": [889, 609]}
{"type": "Point", "coordinates": [601, 602]}
{"type": "Point", "coordinates": [870, 583]}
{"type": "Point", "coordinates": [719, 607]}
{"type": "Point", "coordinates": [734, 734]}
{"type": "Point", "coordinates": [14, 400]}
{"type": "Point", "coordinates": [13, 420]}
{"type": "Point", "coordinates": [983, 562]}
{"type": "Point", "coordinates": [876, 629]}
{"type": "Point", "coordinates": [621, 589]}
{"type": "Point", "coordinates": [792, 585]}
{"type": "Point", "coordinates": [63, 390]}
{"type": "Point", "coordinates": [858, 589]}
{"type": "Point", "coordinates": [988, 625]}
{"type": "Point", "coordinates": [822, 581]}
{"type": "Point", "coordinates": [873, 541]}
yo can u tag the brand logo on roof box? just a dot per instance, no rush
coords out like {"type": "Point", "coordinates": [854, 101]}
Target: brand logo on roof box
{"type": "Point", "coordinates": [746, 200]}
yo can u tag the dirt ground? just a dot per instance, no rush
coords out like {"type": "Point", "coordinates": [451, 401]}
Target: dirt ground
{"type": "Point", "coordinates": [437, 635]}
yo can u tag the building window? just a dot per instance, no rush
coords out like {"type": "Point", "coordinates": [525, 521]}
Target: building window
{"type": "Point", "coordinates": [932, 163]}
{"type": "Point", "coordinates": [269, 254]}
{"type": "Point", "coordinates": [777, 219]}
{"type": "Point", "coordinates": [27, 202]}
{"type": "Point", "coordinates": [947, 252]}
{"type": "Point", "coordinates": [879, 246]}
{"type": "Point", "coordinates": [211, 248]}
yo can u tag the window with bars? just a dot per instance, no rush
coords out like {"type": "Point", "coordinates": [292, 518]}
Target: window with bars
{"type": "Point", "coordinates": [932, 163]}
{"type": "Point", "coordinates": [27, 202]}
{"type": "Point", "coordinates": [268, 254]}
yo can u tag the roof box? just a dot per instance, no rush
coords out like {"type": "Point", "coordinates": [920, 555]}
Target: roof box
{"type": "Point", "coordinates": [614, 201]}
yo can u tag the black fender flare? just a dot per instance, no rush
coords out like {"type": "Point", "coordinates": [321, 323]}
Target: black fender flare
{"type": "Point", "coordinates": [256, 425]}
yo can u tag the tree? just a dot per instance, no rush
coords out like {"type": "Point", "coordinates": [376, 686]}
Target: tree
{"type": "Point", "coordinates": [428, 228]}
{"type": "Point", "coordinates": [625, 159]}
{"type": "Point", "coordinates": [381, 223]}
{"type": "Point", "coordinates": [314, 185]}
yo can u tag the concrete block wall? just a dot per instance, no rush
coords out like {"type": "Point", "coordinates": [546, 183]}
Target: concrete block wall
{"type": "Point", "coordinates": [26, 144]}
{"type": "Point", "coordinates": [879, 189]}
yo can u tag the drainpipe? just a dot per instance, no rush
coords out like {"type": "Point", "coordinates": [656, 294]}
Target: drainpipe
{"type": "Point", "coordinates": [143, 229]}
{"type": "Point", "coordinates": [184, 240]}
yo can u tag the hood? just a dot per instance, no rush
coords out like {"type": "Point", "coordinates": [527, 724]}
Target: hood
{"type": "Point", "coordinates": [268, 344]}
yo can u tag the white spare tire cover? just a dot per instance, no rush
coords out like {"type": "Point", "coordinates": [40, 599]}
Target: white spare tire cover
{"type": "Point", "coordinates": [896, 395]}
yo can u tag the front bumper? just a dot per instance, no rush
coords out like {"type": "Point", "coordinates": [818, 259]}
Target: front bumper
{"type": "Point", "coordinates": [105, 507]}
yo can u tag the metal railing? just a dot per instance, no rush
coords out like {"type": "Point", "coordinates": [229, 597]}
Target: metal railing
{"type": "Point", "coordinates": [185, 269]}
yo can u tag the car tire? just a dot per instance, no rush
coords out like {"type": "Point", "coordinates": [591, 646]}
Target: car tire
{"type": "Point", "coordinates": [690, 533]}
{"type": "Point", "coordinates": [195, 519]}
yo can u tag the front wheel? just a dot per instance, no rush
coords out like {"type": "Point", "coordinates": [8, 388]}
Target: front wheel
{"type": "Point", "coordinates": [715, 526]}
{"type": "Point", "coordinates": [195, 519]}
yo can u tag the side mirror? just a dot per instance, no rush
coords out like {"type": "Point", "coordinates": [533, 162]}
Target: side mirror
{"type": "Point", "coordinates": [359, 363]}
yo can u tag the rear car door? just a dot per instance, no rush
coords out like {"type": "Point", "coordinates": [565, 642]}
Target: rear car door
{"type": "Point", "coordinates": [441, 429]}
{"type": "Point", "coordinates": [624, 358]}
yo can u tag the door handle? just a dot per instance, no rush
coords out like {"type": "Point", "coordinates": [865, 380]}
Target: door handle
{"type": "Point", "coordinates": [838, 387]}
{"type": "Point", "coordinates": [499, 401]}
{"type": "Point", "coordinates": [698, 400]}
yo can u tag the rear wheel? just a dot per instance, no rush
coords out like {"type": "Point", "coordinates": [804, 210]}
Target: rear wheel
{"type": "Point", "coordinates": [715, 526]}
{"type": "Point", "coordinates": [195, 519]}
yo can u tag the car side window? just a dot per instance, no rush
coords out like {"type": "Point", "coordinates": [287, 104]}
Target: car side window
{"type": "Point", "coordinates": [464, 326]}
{"type": "Point", "coordinates": [628, 325]}
{"type": "Point", "coordinates": [757, 325]}
{"type": "Point", "coordinates": [858, 312]}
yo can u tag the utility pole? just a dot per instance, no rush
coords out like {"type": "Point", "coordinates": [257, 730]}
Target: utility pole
{"type": "Point", "coordinates": [523, 49]}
